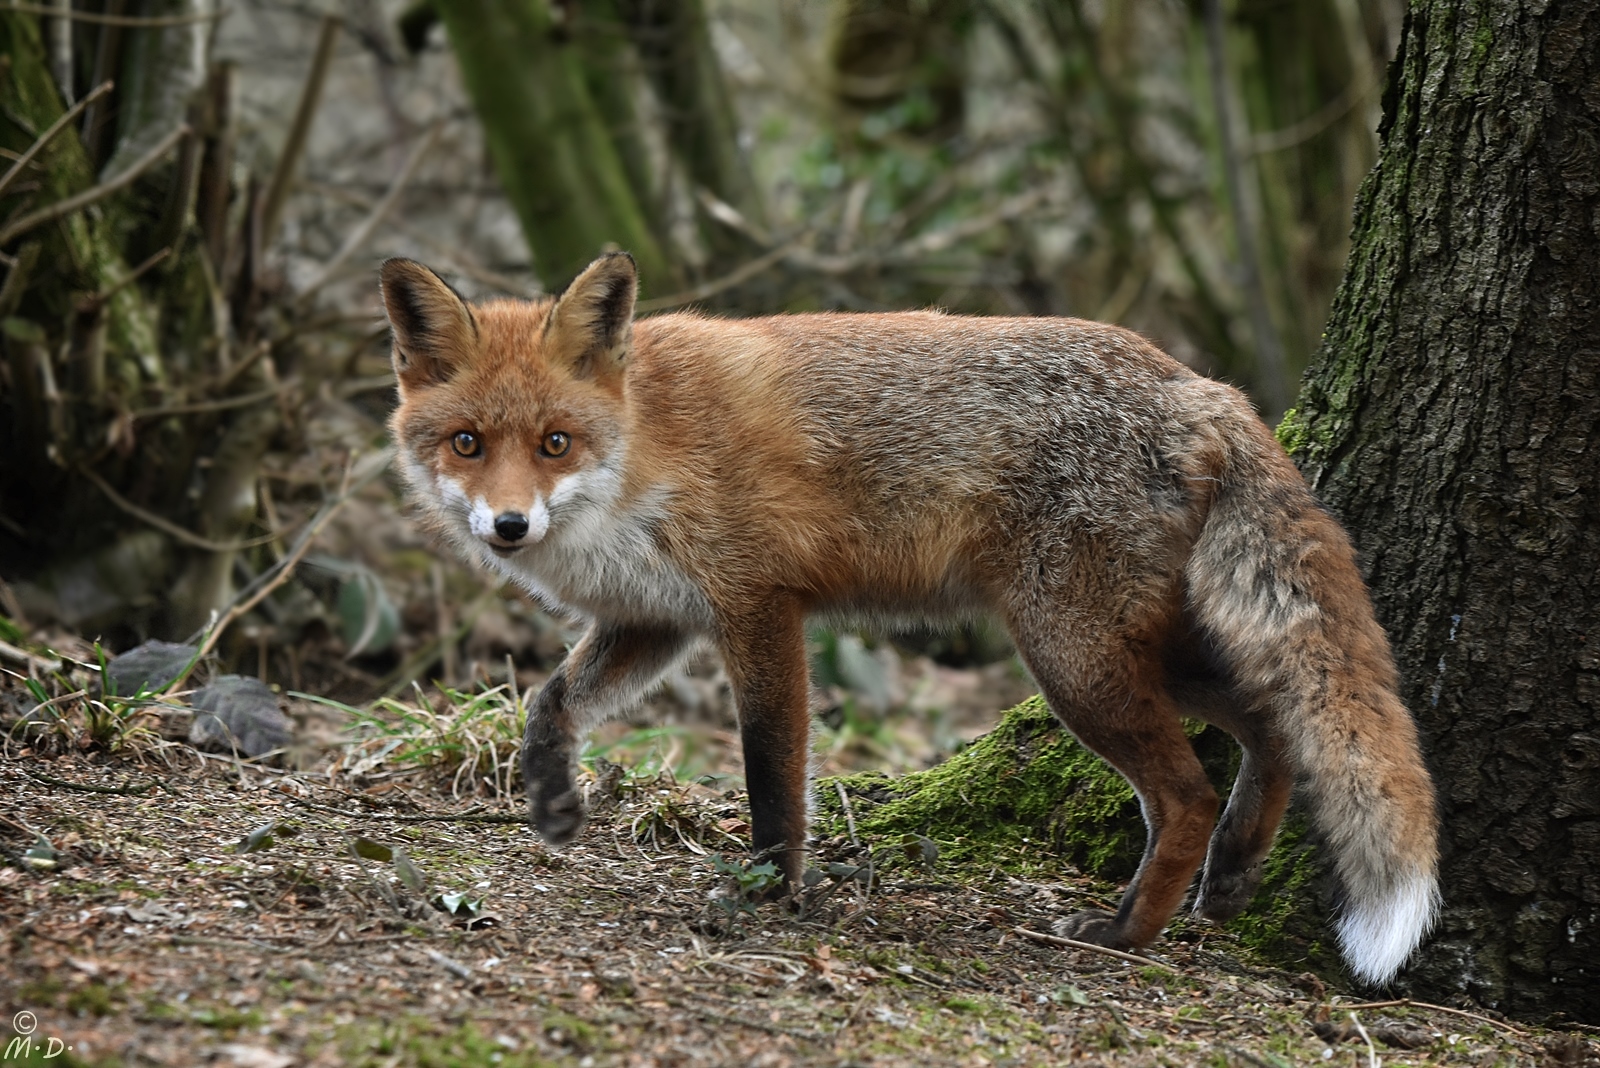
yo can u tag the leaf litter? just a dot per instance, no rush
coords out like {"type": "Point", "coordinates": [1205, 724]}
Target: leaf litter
{"type": "Point", "coordinates": [244, 915]}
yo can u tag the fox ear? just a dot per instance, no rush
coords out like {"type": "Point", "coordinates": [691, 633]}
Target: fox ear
{"type": "Point", "coordinates": [434, 332]}
{"type": "Point", "coordinates": [591, 325]}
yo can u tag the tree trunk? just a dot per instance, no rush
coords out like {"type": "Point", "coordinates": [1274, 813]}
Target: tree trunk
{"type": "Point", "coordinates": [94, 480]}
{"type": "Point", "coordinates": [674, 45]}
{"type": "Point", "coordinates": [1452, 420]}
{"type": "Point", "coordinates": [555, 157]}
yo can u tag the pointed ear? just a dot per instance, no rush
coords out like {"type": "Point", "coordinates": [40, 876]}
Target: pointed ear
{"type": "Point", "coordinates": [591, 326]}
{"type": "Point", "coordinates": [434, 332]}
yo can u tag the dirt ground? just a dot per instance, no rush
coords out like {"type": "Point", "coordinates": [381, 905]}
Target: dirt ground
{"type": "Point", "coordinates": [199, 911]}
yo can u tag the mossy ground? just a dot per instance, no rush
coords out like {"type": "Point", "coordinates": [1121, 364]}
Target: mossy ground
{"type": "Point", "coordinates": [1029, 800]}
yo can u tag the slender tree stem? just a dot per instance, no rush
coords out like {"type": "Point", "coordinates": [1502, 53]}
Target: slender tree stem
{"type": "Point", "coordinates": [1271, 377]}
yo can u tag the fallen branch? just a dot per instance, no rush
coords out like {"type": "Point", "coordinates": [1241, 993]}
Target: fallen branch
{"type": "Point", "coordinates": [51, 780]}
{"type": "Point", "coordinates": [1408, 1003]}
{"type": "Point", "coordinates": [51, 212]}
{"type": "Point", "coordinates": [1073, 943]}
{"type": "Point", "coordinates": [502, 818]}
{"type": "Point", "coordinates": [49, 135]}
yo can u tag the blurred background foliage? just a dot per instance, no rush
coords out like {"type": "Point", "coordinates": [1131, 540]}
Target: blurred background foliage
{"type": "Point", "coordinates": [195, 198]}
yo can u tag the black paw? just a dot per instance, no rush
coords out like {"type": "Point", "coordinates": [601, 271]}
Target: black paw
{"type": "Point", "coordinates": [1223, 895]}
{"type": "Point", "coordinates": [560, 818]}
{"type": "Point", "coordinates": [1091, 925]}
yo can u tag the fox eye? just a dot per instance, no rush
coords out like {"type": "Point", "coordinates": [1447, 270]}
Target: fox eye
{"type": "Point", "coordinates": [466, 443]}
{"type": "Point", "coordinates": [556, 444]}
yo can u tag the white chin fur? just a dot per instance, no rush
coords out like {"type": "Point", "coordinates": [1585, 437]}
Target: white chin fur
{"type": "Point", "coordinates": [1377, 936]}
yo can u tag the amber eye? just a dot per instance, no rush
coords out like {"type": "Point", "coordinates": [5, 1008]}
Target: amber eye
{"type": "Point", "coordinates": [466, 443]}
{"type": "Point", "coordinates": [556, 444]}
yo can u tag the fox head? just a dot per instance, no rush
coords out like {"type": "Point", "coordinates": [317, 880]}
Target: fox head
{"type": "Point", "coordinates": [510, 416]}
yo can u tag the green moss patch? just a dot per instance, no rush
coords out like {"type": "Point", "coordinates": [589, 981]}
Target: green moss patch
{"type": "Point", "coordinates": [1025, 797]}
{"type": "Point", "coordinates": [1028, 799]}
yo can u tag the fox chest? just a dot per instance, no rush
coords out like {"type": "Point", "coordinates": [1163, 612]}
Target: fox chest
{"type": "Point", "coordinates": [616, 573]}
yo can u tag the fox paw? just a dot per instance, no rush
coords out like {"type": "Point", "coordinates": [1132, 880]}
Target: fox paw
{"type": "Point", "coordinates": [1224, 895]}
{"type": "Point", "coordinates": [1091, 925]}
{"type": "Point", "coordinates": [560, 818]}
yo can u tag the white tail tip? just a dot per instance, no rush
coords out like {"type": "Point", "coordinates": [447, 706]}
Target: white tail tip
{"type": "Point", "coordinates": [1378, 935]}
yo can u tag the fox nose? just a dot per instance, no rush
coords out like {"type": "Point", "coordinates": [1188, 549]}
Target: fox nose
{"type": "Point", "coordinates": [511, 526]}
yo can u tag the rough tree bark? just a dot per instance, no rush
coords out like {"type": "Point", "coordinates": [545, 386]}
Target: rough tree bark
{"type": "Point", "coordinates": [1452, 420]}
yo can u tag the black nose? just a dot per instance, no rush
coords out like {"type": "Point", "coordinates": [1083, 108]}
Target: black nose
{"type": "Point", "coordinates": [511, 526]}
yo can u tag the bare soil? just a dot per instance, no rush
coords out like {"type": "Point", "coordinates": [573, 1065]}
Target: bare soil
{"type": "Point", "coordinates": [153, 939]}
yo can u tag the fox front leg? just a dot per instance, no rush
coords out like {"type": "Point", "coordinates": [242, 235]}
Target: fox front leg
{"type": "Point", "coordinates": [765, 652]}
{"type": "Point", "coordinates": [610, 668]}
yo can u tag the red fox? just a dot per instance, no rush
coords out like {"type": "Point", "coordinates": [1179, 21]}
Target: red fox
{"type": "Point", "coordinates": [1149, 546]}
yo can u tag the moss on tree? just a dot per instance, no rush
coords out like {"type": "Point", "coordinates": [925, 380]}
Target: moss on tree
{"type": "Point", "coordinates": [1028, 799]}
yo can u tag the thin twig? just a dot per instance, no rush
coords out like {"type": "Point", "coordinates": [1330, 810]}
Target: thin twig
{"type": "Point", "coordinates": [849, 815]}
{"type": "Point", "coordinates": [51, 212]}
{"type": "Point", "coordinates": [455, 968]}
{"type": "Point", "coordinates": [1073, 943]}
{"type": "Point", "coordinates": [167, 526]}
{"type": "Point", "coordinates": [379, 212]}
{"type": "Point", "coordinates": [216, 405]}
{"type": "Point", "coordinates": [456, 258]}
{"type": "Point", "coordinates": [22, 656]}
{"type": "Point", "coordinates": [1407, 1002]}
{"type": "Point", "coordinates": [135, 21]}
{"type": "Point", "coordinates": [284, 569]}
{"type": "Point", "coordinates": [49, 135]}
{"type": "Point", "coordinates": [51, 780]}
{"type": "Point", "coordinates": [1317, 121]}
{"type": "Point", "coordinates": [739, 275]}
{"type": "Point", "coordinates": [509, 819]}
{"type": "Point", "coordinates": [756, 1025]}
{"type": "Point", "coordinates": [90, 303]}
{"type": "Point", "coordinates": [294, 145]}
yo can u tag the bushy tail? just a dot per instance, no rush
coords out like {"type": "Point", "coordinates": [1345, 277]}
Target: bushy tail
{"type": "Point", "coordinates": [1273, 581]}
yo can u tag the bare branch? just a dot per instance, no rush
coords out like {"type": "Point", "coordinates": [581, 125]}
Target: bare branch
{"type": "Point", "coordinates": [284, 569]}
{"type": "Point", "coordinates": [49, 135]}
{"type": "Point", "coordinates": [137, 21]}
{"type": "Point", "coordinates": [294, 146]}
{"type": "Point", "coordinates": [167, 526]}
{"type": "Point", "coordinates": [35, 219]}
{"type": "Point", "coordinates": [379, 212]}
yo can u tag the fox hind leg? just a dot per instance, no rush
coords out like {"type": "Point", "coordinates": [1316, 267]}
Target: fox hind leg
{"type": "Point", "coordinates": [611, 667]}
{"type": "Point", "coordinates": [1108, 690]}
{"type": "Point", "coordinates": [1256, 804]}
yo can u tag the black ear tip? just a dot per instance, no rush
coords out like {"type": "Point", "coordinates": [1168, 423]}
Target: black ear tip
{"type": "Point", "coordinates": [398, 270]}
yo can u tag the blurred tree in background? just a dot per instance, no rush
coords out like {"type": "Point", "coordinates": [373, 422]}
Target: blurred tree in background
{"type": "Point", "coordinates": [186, 307]}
